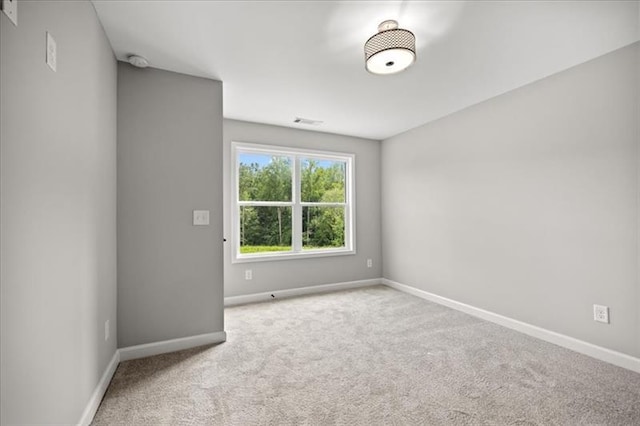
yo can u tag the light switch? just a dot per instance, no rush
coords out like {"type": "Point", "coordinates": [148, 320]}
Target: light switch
{"type": "Point", "coordinates": [10, 8]}
{"type": "Point", "coordinates": [52, 52]}
{"type": "Point", "coordinates": [201, 217]}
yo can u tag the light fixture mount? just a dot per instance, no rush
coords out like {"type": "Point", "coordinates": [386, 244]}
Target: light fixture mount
{"type": "Point", "coordinates": [391, 50]}
{"type": "Point", "coordinates": [389, 24]}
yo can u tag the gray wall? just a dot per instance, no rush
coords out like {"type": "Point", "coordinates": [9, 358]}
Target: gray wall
{"type": "Point", "coordinates": [58, 212]}
{"type": "Point", "coordinates": [169, 164]}
{"type": "Point", "coordinates": [526, 204]}
{"type": "Point", "coordinates": [286, 274]}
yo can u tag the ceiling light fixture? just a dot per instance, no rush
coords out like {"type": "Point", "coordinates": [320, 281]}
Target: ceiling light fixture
{"type": "Point", "coordinates": [391, 50]}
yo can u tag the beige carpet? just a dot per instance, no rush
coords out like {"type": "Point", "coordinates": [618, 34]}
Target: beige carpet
{"type": "Point", "coordinates": [371, 356]}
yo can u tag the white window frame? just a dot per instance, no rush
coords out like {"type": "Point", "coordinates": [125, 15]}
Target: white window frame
{"type": "Point", "coordinates": [295, 203]}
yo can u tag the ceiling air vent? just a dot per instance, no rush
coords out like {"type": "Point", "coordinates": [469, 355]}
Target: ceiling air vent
{"type": "Point", "coordinates": [307, 121]}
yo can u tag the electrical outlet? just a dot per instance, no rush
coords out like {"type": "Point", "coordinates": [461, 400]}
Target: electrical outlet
{"type": "Point", "coordinates": [10, 8]}
{"type": "Point", "coordinates": [601, 313]}
{"type": "Point", "coordinates": [201, 217]}
{"type": "Point", "coordinates": [369, 263]}
{"type": "Point", "coordinates": [248, 274]}
{"type": "Point", "coordinates": [106, 330]}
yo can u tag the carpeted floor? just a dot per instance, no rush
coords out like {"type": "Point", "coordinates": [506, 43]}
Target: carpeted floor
{"type": "Point", "coordinates": [371, 356]}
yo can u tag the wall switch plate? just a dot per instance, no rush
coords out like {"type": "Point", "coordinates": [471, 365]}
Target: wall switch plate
{"type": "Point", "coordinates": [201, 217]}
{"type": "Point", "coordinates": [106, 330]}
{"type": "Point", "coordinates": [248, 274]}
{"type": "Point", "coordinates": [601, 313]}
{"type": "Point", "coordinates": [10, 8]}
{"type": "Point", "coordinates": [52, 52]}
{"type": "Point", "coordinates": [369, 263]}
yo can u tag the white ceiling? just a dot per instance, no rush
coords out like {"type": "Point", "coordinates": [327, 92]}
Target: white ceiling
{"type": "Point", "coordinates": [282, 59]}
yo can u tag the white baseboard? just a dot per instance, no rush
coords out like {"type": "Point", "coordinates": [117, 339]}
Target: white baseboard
{"type": "Point", "coordinates": [594, 351]}
{"type": "Point", "coordinates": [96, 397]}
{"type": "Point", "coordinates": [279, 294]}
{"type": "Point", "coordinates": [156, 348]}
{"type": "Point", "coordinates": [166, 346]}
{"type": "Point", "coordinates": [141, 351]}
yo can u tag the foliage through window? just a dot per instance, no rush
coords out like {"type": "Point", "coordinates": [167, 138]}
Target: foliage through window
{"type": "Point", "coordinates": [291, 202]}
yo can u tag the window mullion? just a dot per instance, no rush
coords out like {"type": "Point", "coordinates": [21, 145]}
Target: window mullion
{"type": "Point", "coordinates": [265, 203]}
{"type": "Point", "coordinates": [322, 204]}
{"type": "Point", "coordinates": [297, 206]}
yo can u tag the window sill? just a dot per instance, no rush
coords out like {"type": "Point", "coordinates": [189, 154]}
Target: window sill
{"type": "Point", "coordinates": [291, 256]}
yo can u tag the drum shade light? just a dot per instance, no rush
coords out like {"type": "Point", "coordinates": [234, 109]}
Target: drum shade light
{"type": "Point", "coordinates": [391, 50]}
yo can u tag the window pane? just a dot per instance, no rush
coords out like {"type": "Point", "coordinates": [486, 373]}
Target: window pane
{"type": "Point", "coordinates": [264, 177]}
{"type": "Point", "coordinates": [322, 227]}
{"type": "Point", "coordinates": [323, 180]}
{"type": "Point", "coordinates": [265, 229]}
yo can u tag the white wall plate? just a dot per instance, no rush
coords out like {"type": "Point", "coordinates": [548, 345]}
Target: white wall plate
{"type": "Point", "coordinates": [10, 8]}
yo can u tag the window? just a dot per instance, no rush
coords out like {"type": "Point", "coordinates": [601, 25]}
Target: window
{"type": "Point", "coordinates": [291, 203]}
